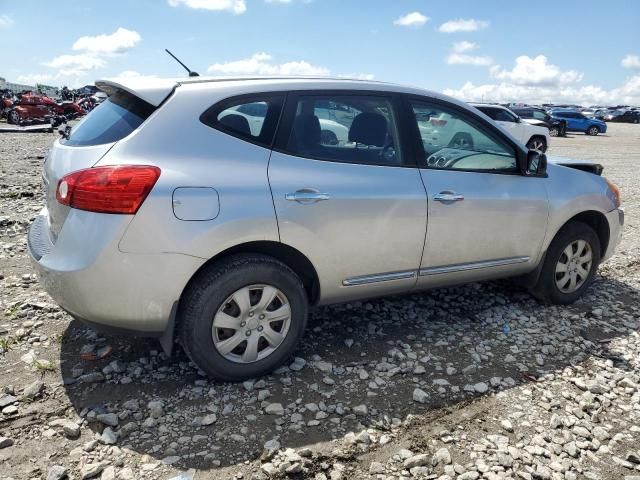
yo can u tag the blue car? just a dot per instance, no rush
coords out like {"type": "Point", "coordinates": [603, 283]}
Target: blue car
{"type": "Point", "coordinates": [577, 122]}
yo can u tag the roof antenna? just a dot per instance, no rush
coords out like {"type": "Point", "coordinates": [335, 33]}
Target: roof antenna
{"type": "Point", "coordinates": [191, 72]}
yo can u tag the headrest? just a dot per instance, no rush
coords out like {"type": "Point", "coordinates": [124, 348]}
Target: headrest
{"type": "Point", "coordinates": [369, 129]}
{"type": "Point", "coordinates": [237, 123]}
{"type": "Point", "coordinates": [306, 130]}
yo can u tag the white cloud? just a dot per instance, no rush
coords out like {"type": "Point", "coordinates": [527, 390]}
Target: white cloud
{"type": "Point", "coordinates": [235, 6]}
{"type": "Point", "coordinates": [413, 19]}
{"type": "Point", "coordinates": [33, 78]}
{"type": "Point", "coordinates": [132, 74]}
{"type": "Point", "coordinates": [118, 42]}
{"type": "Point", "coordinates": [464, 46]}
{"type": "Point", "coordinates": [535, 72]}
{"type": "Point", "coordinates": [463, 59]}
{"type": "Point", "coordinates": [628, 93]}
{"type": "Point", "coordinates": [261, 64]}
{"type": "Point", "coordinates": [462, 25]}
{"type": "Point", "coordinates": [5, 21]}
{"type": "Point", "coordinates": [631, 61]}
{"type": "Point", "coordinates": [75, 64]}
{"type": "Point", "coordinates": [358, 76]}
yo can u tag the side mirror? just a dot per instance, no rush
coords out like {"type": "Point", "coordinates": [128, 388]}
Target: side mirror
{"type": "Point", "coordinates": [518, 120]}
{"type": "Point", "coordinates": [536, 163]}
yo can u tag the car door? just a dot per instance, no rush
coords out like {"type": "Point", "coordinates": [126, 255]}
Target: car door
{"type": "Point", "coordinates": [356, 209]}
{"type": "Point", "coordinates": [485, 219]}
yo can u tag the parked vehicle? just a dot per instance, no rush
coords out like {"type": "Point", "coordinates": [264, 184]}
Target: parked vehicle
{"type": "Point", "coordinates": [539, 116]}
{"type": "Point", "coordinates": [6, 103]}
{"type": "Point", "coordinates": [33, 107]}
{"type": "Point", "coordinates": [535, 137]}
{"type": "Point", "coordinates": [166, 217]}
{"type": "Point", "coordinates": [630, 116]}
{"type": "Point", "coordinates": [577, 122]}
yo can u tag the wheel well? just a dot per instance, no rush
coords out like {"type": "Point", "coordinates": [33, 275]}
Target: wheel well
{"type": "Point", "coordinates": [599, 223]}
{"type": "Point", "coordinates": [291, 257]}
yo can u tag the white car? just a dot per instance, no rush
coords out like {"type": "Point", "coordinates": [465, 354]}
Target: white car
{"type": "Point", "coordinates": [535, 137]}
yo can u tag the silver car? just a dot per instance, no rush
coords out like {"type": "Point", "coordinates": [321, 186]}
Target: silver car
{"type": "Point", "coordinates": [169, 214]}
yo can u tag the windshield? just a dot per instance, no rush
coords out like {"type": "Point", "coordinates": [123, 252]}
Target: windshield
{"type": "Point", "coordinates": [113, 120]}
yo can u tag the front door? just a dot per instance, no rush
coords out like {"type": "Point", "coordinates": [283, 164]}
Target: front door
{"type": "Point", "coordinates": [485, 219]}
{"type": "Point", "coordinates": [349, 202]}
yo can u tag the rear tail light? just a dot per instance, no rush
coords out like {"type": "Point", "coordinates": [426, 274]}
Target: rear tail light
{"type": "Point", "coordinates": [438, 123]}
{"type": "Point", "coordinates": [114, 189]}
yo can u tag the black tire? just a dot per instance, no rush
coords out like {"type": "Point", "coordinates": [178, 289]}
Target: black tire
{"type": "Point", "coordinates": [593, 131]}
{"type": "Point", "coordinates": [537, 139]}
{"type": "Point", "coordinates": [213, 286]}
{"type": "Point", "coordinates": [554, 131]}
{"type": "Point", "coordinates": [635, 120]}
{"type": "Point", "coordinates": [13, 117]}
{"type": "Point", "coordinates": [546, 288]}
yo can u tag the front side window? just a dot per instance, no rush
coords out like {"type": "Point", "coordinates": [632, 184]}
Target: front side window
{"type": "Point", "coordinates": [251, 118]}
{"type": "Point", "coordinates": [345, 128]}
{"type": "Point", "coordinates": [453, 141]}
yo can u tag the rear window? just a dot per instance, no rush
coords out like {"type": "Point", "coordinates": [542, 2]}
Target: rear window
{"type": "Point", "coordinates": [112, 120]}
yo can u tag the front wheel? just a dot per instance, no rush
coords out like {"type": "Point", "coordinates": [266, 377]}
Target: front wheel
{"type": "Point", "coordinates": [570, 264]}
{"type": "Point", "coordinates": [243, 317]}
{"type": "Point", "coordinates": [593, 131]}
{"type": "Point", "coordinates": [554, 131]}
{"type": "Point", "coordinates": [14, 118]}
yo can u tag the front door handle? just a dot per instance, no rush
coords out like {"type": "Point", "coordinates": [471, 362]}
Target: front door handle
{"type": "Point", "coordinates": [306, 196]}
{"type": "Point", "coordinates": [448, 196]}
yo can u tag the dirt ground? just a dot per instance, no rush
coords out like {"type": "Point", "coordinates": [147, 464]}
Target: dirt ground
{"type": "Point", "coordinates": [477, 381]}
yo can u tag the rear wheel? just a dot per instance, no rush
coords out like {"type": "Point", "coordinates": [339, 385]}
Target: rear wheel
{"type": "Point", "coordinates": [537, 143]}
{"type": "Point", "coordinates": [570, 264]}
{"type": "Point", "coordinates": [243, 317]}
{"type": "Point", "coordinates": [554, 131]}
{"type": "Point", "coordinates": [635, 120]}
{"type": "Point", "coordinates": [593, 131]}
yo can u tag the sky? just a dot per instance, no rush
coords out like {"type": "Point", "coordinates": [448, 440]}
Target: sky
{"type": "Point", "coordinates": [585, 51]}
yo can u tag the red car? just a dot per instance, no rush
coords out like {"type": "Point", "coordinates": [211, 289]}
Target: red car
{"type": "Point", "coordinates": [32, 107]}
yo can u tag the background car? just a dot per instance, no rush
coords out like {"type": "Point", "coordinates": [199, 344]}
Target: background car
{"type": "Point", "coordinates": [533, 136]}
{"type": "Point", "coordinates": [539, 116]}
{"type": "Point", "coordinates": [630, 116]}
{"type": "Point", "coordinates": [577, 122]}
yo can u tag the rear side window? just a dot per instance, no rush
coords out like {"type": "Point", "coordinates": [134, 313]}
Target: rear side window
{"type": "Point", "coordinates": [253, 118]}
{"type": "Point", "coordinates": [345, 128]}
{"type": "Point", "coordinates": [112, 120]}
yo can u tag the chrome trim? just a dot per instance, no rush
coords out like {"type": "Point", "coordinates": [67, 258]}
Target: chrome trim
{"type": "Point", "coordinates": [379, 277]}
{"type": "Point", "coordinates": [462, 267]}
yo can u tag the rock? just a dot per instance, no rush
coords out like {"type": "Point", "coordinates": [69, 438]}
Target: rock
{"type": "Point", "coordinates": [208, 419]}
{"type": "Point", "coordinates": [57, 472]}
{"type": "Point", "coordinates": [71, 429]}
{"type": "Point", "coordinates": [361, 410]}
{"type": "Point", "coordinates": [91, 470]}
{"type": "Point", "coordinates": [5, 442]}
{"type": "Point", "coordinates": [376, 467]}
{"type": "Point", "coordinates": [481, 387]}
{"type": "Point", "coordinates": [108, 473]}
{"type": "Point", "coordinates": [155, 409]}
{"type": "Point", "coordinates": [109, 437]}
{"type": "Point", "coordinates": [601, 433]}
{"type": "Point", "coordinates": [126, 474]}
{"type": "Point", "coordinates": [324, 367]}
{"type": "Point", "coordinates": [28, 357]}
{"type": "Point", "coordinates": [507, 425]}
{"type": "Point", "coordinates": [10, 410]}
{"type": "Point", "coordinates": [110, 419]}
{"type": "Point", "coordinates": [442, 456]}
{"type": "Point", "coordinates": [274, 409]}
{"type": "Point", "coordinates": [32, 390]}
{"type": "Point", "coordinates": [419, 460]}
{"type": "Point", "coordinates": [420, 396]}
{"type": "Point", "coordinates": [132, 405]}
{"type": "Point", "coordinates": [555, 421]}
{"type": "Point", "coordinates": [272, 445]}
{"type": "Point", "coordinates": [6, 400]}
{"type": "Point", "coordinates": [298, 364]}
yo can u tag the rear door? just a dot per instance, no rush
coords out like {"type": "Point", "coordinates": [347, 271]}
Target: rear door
{"type": "Point", "coordinates": [356, 207]}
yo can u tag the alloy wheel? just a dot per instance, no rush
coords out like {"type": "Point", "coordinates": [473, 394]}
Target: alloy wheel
{"type": "Point", "coordinates": [537, 144]}
{"type": "Point", "coordinates": [573, 266]}
{"type": "Point", "coordinates": [251, 324]}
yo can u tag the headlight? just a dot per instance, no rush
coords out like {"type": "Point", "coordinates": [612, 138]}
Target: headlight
{"type": "Point", "coordinates": [614, 193]}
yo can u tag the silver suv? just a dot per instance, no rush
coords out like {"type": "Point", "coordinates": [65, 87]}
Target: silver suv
{"type": "Point", "coordinates": [220, 210]}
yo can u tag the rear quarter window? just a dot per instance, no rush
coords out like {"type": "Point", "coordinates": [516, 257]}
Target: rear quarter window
{"type": "Point", "coordinates": [112, 120]}
{"type": "Point", "coordinates": [253, 118]}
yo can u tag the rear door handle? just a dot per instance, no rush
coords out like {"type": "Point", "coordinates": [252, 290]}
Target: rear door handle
{"type": "Point", "coordinates": [306, 196]}
{"type": "Point", "coordinates": [448, 197]}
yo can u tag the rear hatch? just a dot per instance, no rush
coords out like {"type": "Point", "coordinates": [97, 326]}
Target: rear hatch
{"type": "Point", "coordinates": [92, 138]}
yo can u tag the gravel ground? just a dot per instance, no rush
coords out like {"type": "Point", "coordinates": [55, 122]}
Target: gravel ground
{"type": "Point", "coordinates": [479, 381]}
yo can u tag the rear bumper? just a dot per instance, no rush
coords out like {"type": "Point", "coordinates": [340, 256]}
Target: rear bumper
{"type": "Point", "coordinates": [86, 274]}
{"type": "Point", "coordinates": [616, 224]}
